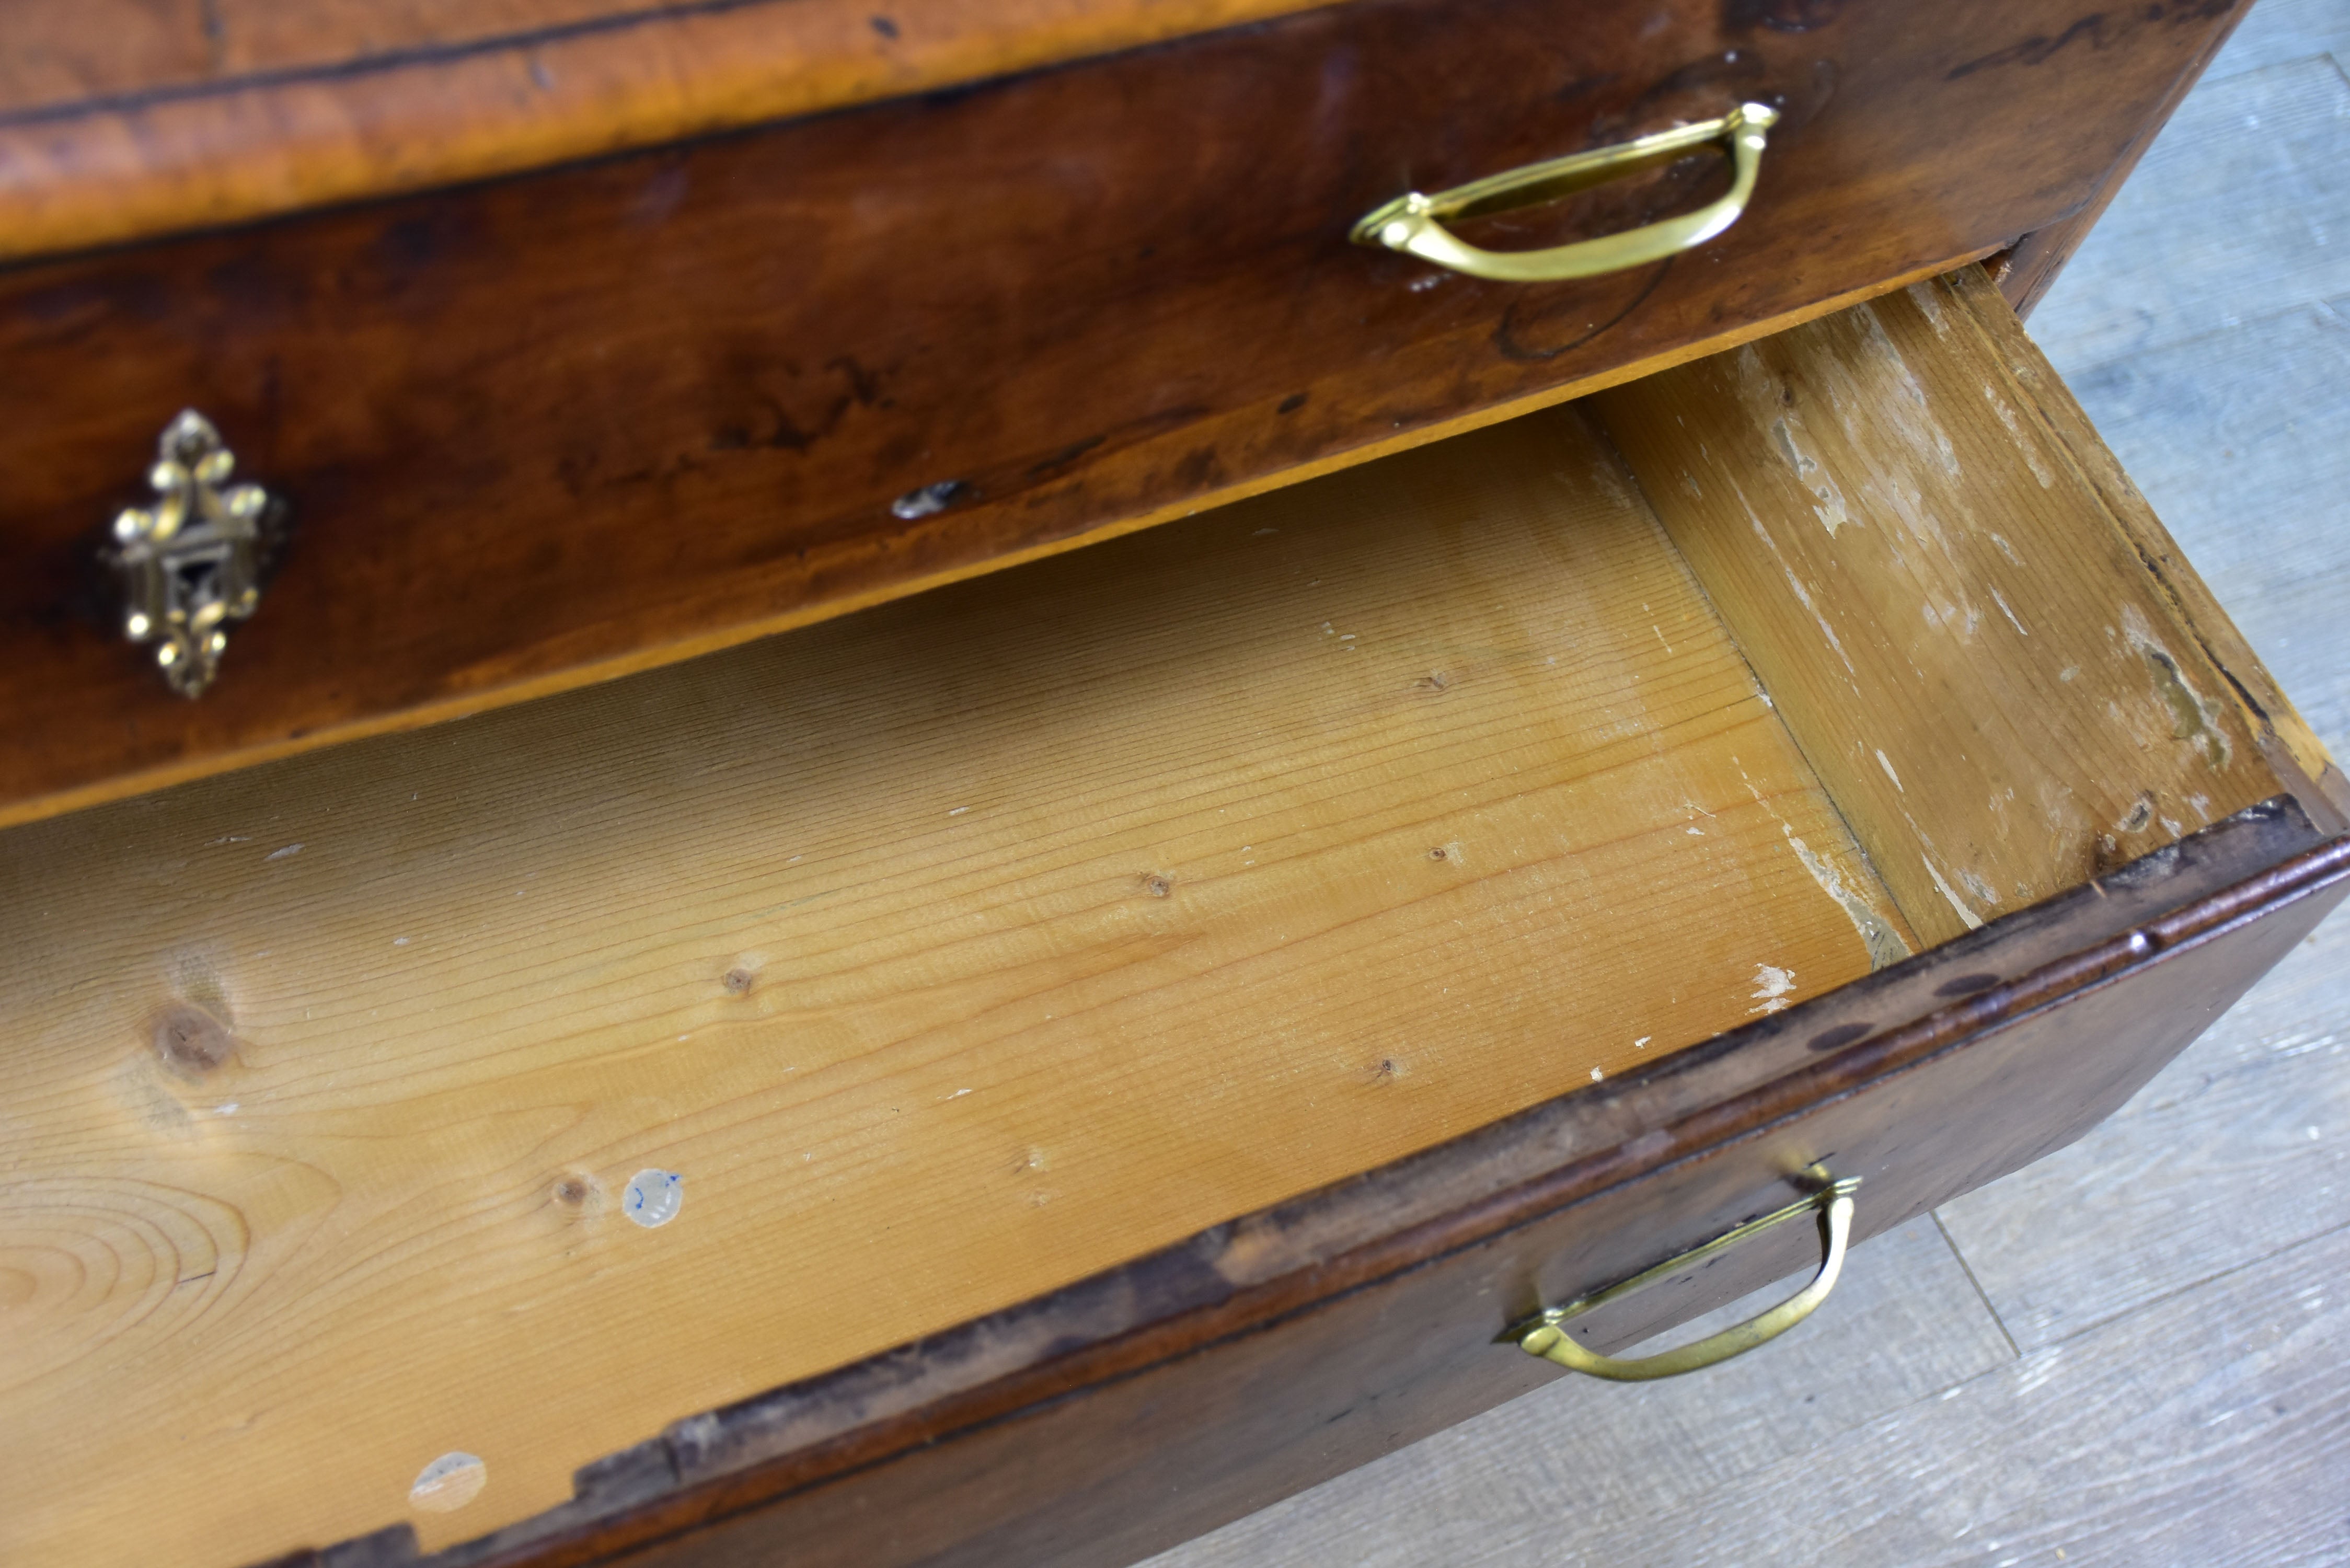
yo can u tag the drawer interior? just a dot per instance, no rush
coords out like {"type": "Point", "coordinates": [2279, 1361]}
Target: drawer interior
{"type": "Point", "coordinates": [956, 949]}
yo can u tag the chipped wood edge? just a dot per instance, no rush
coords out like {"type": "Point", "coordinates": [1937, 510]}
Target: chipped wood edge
{"type": "Point", "coordinates": [1981, 341]}
{"type": "Point", "coordinates": [2286, 742]}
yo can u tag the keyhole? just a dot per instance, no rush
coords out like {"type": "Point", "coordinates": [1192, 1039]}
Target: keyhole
{"type": "Point", "coordinates": [195, 584]}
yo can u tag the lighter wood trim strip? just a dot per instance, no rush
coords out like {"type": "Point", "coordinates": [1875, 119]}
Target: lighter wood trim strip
{"type": "Point", "coordinates": [117, 171]}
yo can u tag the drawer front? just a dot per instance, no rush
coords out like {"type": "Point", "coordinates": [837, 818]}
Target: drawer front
{"type": "Point", "coordinates": [1273, 1355]}
{"type": "Point", "coordinates": [540, 431]}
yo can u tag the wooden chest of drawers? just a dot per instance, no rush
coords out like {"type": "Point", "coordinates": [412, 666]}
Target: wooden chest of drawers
{"type": "Point", "coordinates": [1028, 1072]}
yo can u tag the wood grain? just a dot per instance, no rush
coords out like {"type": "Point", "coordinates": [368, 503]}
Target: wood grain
{"type": "Point", "coordinates": [1553, 1464]}
{"type": "Point", "coordinates": [2026, 270]}
{"type": "Point", "coordinates": [2242, 439]}
{"type": "Point", "coordinates": [2211, 1428]}
{"type": "Point", "coordinates": [2212, 1169]}
{"type": "Point", "coordinates": [243, 109]}
{"type": "Point", "coordinates": [2288, 30]}
{"type": "Point", "coordinates": [2287, 742]}
{"type": "Point", "coordinates": [124, 119]}
{"type": "Point", "coordinates": [1146, 1405]}
{"type": "Point", "coordinates": [1923, 547]}
{"type": "Point", "coordinates": [950, 953]}
{"type": "Point", "coordinates": [492, 408]}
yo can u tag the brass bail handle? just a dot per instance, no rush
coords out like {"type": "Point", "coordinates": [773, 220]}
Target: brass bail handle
{"type": "Point", "coordinates": [1414, 223]}
{"type": "Point", "coordinates": [1545, 1333]}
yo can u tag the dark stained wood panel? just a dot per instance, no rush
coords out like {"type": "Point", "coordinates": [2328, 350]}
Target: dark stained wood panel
{"type": "Point", "coordinates": [542, 430]}
{"type": "Point", "coordinates": [2025, 273]}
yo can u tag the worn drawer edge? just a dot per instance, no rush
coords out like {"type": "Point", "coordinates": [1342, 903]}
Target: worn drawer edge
{"type": "Point", "coordinates": [1254, 1272]}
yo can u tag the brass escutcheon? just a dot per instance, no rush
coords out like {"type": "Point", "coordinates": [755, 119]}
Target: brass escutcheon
{"type": "Point", "coordinates": [194, 560]}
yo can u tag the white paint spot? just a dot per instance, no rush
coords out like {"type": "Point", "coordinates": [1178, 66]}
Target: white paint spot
{"type": "Point", "coordinates": [958, 1094]}
{"type": "Point", "coordinates": [288, 853]}
{"type": "Point", "coordinates": [959, 811]}
{"type": "Point", "coordinates": [1761, 393]}
{"type": "Point", "coordinates": [2001, 599]}
{"type": "Point", "coordinates": [1877, 937]}
{"type": "Point", "coordinates": [1596, 1074]}
{"type": "Point", "coordinates": [1643, 1040]}
{"type": "Point", "coordinates": [930, 500]}
{"type": "Point", "coordinates": [1772, 985]}
{"type": "Point", "coordinates": [449, 1483]}
{"type": "Point", "coordinates": [1921, 294]}
{"type": "Point", "coordinates": [2007, 549]}
{"type": "Point", "coordinates": [1609, 482]}
{"type": "Point", "coordinates": [229, 1109]}
{"type": "Point", "coordinates": [2023, 443]}
{"type": "Point", "coordinates": [1973, 922]}
{"type": "Point", "coordinates": [652, 1197]}
{"type": "Point", "coordinates": [1802, 595]}
{"type": "Point", "coordinates": [1885, 762]}
{"type": "Point", "coordinates": [399, 941]}
{"type": "Point", "coordinates": [2039, 1368]}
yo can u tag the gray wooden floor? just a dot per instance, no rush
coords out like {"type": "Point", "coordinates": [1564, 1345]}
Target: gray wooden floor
{"type": "Point", "coordinates": [2136, 1352]}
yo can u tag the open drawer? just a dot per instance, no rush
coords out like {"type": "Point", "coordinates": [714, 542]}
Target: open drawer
{"type": "Point", "coordinates": [1028, 1072]}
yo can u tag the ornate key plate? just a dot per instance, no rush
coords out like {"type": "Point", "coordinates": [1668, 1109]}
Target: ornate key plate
{"type": "Point", "coordinates": [193, 561]}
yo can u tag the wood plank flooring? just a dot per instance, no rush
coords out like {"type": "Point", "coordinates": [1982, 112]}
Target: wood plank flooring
{"type": "Point", "coordinates": [2133, 1353]}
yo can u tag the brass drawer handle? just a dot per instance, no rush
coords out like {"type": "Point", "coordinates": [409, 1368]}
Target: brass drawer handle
{"type": "Point", "coordinates": [1414, 223]}
{"type": "Point", "coordinates": [1543, 1336]}
{"type": "Point", "coordinates": [195, 560]}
